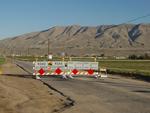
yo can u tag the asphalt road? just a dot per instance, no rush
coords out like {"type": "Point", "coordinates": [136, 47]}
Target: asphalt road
{"type": "Point", "coordinates": [109, 95]}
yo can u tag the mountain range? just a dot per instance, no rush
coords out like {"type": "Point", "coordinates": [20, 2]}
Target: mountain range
{"type": "Point", "coordinates": [76, 40]}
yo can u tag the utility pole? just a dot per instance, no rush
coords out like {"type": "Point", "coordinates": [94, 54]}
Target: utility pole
{"type": "Point", "coordinates": [28, 51]}
{"type": "Point", "coordinates": [48, 47]}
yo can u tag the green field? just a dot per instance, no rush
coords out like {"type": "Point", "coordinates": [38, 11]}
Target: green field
{"type": "Point", "coordinates": [2, 60]}
{"type": "Point", "coordinates": [127, 66]}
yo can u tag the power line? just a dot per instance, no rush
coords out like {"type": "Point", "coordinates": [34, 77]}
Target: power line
{"type": "Point", "coordinates": [132, 20]}
{"type": "Point", "coordinates": [140, 17]}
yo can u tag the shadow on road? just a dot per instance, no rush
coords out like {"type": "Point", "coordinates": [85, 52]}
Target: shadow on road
{"type": "Point", "coordinates": [142, 91]}
{"type": "Point", "coordinates": [19, 75]}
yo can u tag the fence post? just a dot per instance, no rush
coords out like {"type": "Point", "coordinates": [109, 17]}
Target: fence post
{"type": "Point", "coordinates": [95, 59]}
{"type": "Point", "coordinates": [63, 59]}
{"type": "Point", "coordinates": [70, 58]}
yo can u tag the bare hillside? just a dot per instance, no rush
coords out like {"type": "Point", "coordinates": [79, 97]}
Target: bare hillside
{"type": "Point", "coordinates": [110, 40]}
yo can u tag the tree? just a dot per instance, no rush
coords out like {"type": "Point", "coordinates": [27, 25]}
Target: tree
{"type": "Point", "coordinates": [146, 56]}
{"type": "Point", "coordinates": [132, 56]}
{"type": "Point", "coordinates": [102, 55]}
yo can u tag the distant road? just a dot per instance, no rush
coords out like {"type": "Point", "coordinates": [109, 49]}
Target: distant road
{"type": "Point", "coordinates": [109, 95]}
{"type": "Point", "coordinates": [28, 66]}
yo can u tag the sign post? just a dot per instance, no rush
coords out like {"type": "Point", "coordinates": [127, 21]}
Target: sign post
{"type": "Point", "coordinates": [50, 56]}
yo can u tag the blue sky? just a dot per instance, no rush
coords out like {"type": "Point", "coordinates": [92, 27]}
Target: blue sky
{"type": "Point", "coordinates": [23, 16]}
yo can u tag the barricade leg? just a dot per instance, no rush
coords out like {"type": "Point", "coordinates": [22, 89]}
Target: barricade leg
{"type": "Point", "coordinates": [70, 76]}
{"type": "Point", "coordinates": [64, 76]}
{"type": "Point", "coordinates": [97, 75]}
{"type": "Point", "coordinates": [37, 77]}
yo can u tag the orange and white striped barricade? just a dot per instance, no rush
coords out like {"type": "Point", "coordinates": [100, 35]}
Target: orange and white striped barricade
{"type": "Point", "coordinates": [40, 68]}
{"type": "Point", "coordinates": [68, 69]}
{"type": "Point", "coordinates": [83, 68]}
{"type": "Point", "coordinates": [58, 68]}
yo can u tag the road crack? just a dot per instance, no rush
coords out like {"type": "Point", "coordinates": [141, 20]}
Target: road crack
{"type": "Point", "coordinates": [69, 102]}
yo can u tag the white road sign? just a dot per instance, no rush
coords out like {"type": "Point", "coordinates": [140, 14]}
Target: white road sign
{"type": "Point", "coordinates": [66, 65]}
{"type": "Point", "coordinates": [82, 65]}
{"type": "Point", "coordinates": [41, 64]}
{"type": "Point", "coordinates": [58, 64]}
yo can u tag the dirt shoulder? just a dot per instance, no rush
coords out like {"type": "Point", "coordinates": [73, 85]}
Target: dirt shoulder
{"type": "Point", "coordinates": [24, 95]}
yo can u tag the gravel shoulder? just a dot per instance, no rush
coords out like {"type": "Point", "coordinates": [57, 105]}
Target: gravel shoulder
{"type": "Point", "coordinates": [24, 95]}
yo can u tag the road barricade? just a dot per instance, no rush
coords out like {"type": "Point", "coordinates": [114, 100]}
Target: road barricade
{"type": "Point", "coordinates": [70, 68]}
{"type": "Point", "coordinates": [103, 72]}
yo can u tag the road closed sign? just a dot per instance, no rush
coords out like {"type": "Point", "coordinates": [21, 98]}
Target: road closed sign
{"type": "Point", "coordinates": [82, 65]}
{"type": "Point", "coordinates": [41, 65]}
{"type": "Point", "coordinates": [58, 64]}
{"type": "Point", "coordinates": [70, 65]}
